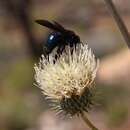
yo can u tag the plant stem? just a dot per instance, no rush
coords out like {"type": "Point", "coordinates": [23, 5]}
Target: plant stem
{"type": "Point", "coordinates": [119, 21]}
{"type": "Point", "coordinates": [87, 121]}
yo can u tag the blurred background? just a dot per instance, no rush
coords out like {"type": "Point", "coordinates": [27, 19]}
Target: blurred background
{"type": "Point", "coordinates": [22, 106]}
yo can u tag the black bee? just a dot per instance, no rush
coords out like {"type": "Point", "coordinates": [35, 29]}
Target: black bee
{"type": "Point", "coordinates": [59, 37]}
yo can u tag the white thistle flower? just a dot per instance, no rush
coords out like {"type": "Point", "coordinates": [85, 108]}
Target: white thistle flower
{"type": "Point", "coordinates": [68, 82]}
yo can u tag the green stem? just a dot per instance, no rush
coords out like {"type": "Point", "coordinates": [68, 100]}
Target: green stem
{"type": "Point", "coordinates": [119, 21]}
{"type": "Point", "coordinates": [87, 121]}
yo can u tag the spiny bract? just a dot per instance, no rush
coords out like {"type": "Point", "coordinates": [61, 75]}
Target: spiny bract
{"type": "Point", "coordinates": [68, 82]}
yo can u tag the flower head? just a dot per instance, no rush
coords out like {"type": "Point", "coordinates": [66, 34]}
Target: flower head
{"type": "Point", "coordinates": [68, 82]}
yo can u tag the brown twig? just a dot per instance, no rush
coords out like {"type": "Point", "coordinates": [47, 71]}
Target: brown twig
{"type": "Point", "coordinates": [87, 121]}
{"type": "Point", "coordinates": [119, 21]}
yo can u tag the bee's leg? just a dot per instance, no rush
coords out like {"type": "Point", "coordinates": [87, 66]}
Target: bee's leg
{"type": "Point", "coordinates": [46, 55]}
{"type": "Point", "coordinates": [62, 48]}
{"type": "Point", "coordinates": [59, 52]}
{"type": "Point", "coordinates": [46, 52]}
{"type": "Point", "coordinates": [72, 47]}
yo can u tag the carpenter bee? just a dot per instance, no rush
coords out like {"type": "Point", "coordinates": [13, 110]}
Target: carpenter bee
{"type": "Point", "coordinates": [59, 37]}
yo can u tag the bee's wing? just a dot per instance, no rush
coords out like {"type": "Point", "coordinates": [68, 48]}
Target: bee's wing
{"type": "Point", "coordinates": [59, 26]}
{"type": "Point", "coordinates": [56, 26]}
